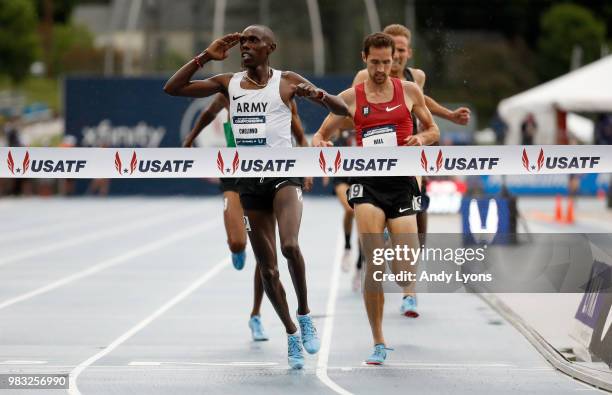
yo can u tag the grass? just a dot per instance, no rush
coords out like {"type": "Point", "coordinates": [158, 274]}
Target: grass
{"type": "Point", "coordinates": [36, 90]}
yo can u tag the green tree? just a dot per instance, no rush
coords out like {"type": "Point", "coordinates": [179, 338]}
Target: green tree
{"type": "Point", "coordinates": [18, 38]}
{"type": "Point", "coordinates": [68, 39]}
{"type": "Point", "coordinates": [563, 27]}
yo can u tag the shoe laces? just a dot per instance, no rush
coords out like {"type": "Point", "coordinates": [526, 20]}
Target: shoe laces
{"type": "Point", "coordinates": [294, 346]}
{"type": "Point", "coordinates": [307, 327]}
{"type": "Point", "coordinates": [380, 350]}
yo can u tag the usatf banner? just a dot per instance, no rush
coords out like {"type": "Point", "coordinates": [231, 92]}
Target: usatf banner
{"type": "Point", "coordinates": [302, 162]}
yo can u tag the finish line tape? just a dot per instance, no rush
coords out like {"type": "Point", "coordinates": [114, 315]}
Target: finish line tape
{"type": "Point", "coordinates": [302, 162]}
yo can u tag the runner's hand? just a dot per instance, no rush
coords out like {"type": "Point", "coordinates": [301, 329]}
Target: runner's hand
{"type": "Point", "coordinates": [414, 140]}
{"type": "Point", "coordinates": [461, 116]}
{"type": "Point", "coordinates": [188, 142]}
{"type": "Point", "coordinates": [317, 141]}
{"type": "Point", "coordinates": [308, 181]}
{"type": "Point", "coordinates": [306, 90]}
{"type": "Point", "coordinates": [218, 49]}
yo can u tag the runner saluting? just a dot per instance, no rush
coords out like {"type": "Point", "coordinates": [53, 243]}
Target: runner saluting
{"type": "Point", "coordinates": [259, 109]}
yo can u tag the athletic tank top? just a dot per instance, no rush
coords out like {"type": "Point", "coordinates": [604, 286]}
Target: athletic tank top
{"type": "Point", "coordinates": [229, 134]}
{"type": "Point", "coordinates": [259, 117]}
{"type": "Point", "coordinates": [382, 124]}
{"type": "Point", "coordinates": [415, 122]}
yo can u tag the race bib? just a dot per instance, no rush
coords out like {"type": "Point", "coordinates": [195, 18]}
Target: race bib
{"type": "Point", "coordinates": [355, 191]}
{"type": "Point", "coordinates": [379, 136]}
{"type": "Point", "coordinates": [249, 129]}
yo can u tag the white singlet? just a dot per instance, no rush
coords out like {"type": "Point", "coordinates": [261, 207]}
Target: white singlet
{"type": "Point", "coordinates": [259, 116]}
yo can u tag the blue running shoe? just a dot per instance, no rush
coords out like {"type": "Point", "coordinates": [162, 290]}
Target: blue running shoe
{"type": "Point", "coordinates": [238, 259]}
{"type": "Point", "coordinates": [257, 330]}
{"type": "Point", "coordinates": [409, 305]}
{"type": "Point", "coordinates": [379, 355]}
{"type": "Point", "coordinates": [386, 235]}
{"type": "Point", "coordinates": [296, 355]}
{"type": "Point", "coordinates": [309, 334]}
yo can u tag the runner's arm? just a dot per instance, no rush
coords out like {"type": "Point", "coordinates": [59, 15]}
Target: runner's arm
{"type": "Point", "coordinates": [180, 84]}
{"type": "Point", "coordinates": [459, 116]}
{"type": "Point", "coordinates": [430, 133]}
{"type": "Point", "coordinates": [296, 126]}
{"type": "Point", "coordinates": [219, 102]}
{"type": "Point", "coordinates": [333, 122]}
{"type": "Point", "coordinates": [304, 88]}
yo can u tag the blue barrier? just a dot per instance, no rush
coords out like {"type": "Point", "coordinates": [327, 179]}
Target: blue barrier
{"type": "Point", "coordinates": [545, 185]}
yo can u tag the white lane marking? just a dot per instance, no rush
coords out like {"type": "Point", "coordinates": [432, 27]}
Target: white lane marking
{"type": "Point", "coordinates": [74, 374]}
{"type": "Point", "coordinates": [178, 363]}
{"type": "Point", "coordinates": [330, 310]}
{"type": "Point", "coordinates": [74, 221]}
{"type": "Point", "coordinates": [116, 260]}
{"type": "Point", "coordinates": [18, 362]}
{"type": "Point", "coordinates": [451, 365]}
{"type": "Point", "coordinates": [114, 231]}
{"type": "Point", "coordinates": [607, 323]}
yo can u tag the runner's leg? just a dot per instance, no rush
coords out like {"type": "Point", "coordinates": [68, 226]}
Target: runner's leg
{"type": "Point", "coordinates": [288, 212]}
{"type": "Point", "coordinates": [263, 241]}
{"type": "Point", "coordinates": [371, 220]}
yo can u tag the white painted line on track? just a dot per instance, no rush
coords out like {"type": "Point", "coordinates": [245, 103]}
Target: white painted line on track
{"type": "Point", "coordinates": [328, 330]}
{"type": "Point", "coordinates": [74, 221]}
{"type": "Point", "coordinates": [175, 363]}
{"type": "Point", "coordinates": [114, 261]}
{"type": "Point", "coordinates": [17, 362]}
{"type": "Point", "coordinates": [108, 232]}
{"type": "Point", "coordinates": [74, 374]}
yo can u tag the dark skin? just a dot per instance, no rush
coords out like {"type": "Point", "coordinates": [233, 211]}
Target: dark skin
{"type": "Point", "coordinates": [256, 44]}
{"type": "Point", "coordinates": [220, 102]}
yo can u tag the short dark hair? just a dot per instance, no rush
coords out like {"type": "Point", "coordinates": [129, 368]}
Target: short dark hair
{"type": "Point", "coordinates": [378, 40]}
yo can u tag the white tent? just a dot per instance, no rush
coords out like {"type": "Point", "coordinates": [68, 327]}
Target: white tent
{"type": "Point", "coordinates": [587, 89]}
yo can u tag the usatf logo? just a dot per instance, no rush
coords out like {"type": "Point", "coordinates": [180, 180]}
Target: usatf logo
{"type": "Point", "coordinates": [226, 170]}
{"type": "Point", "coordinates": [120, 169]}
{"type": "Point", "coordinates": [254, 166]}
{"type": "Point", "coordinates": [457, 163]}
{"type": "Point", "coordinates": [25, 165]}
{"type": "Point", "coordinates": [559, 162]}
{"type": "Point", "coordinates": [535, 166]}
{"type": "Point", "coordinates": [43, 165]}
{"type": "Point", "coordinates": [359, 164]}
{"type": "Point", "coordinates": [323, 163]}
{"type": "Point", "coordinates": [152, 165]}
{"type": "Point", "coordinates": [431, 168]}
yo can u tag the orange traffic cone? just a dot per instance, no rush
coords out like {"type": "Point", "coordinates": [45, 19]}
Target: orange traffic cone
{"type": "Point", "coordinates": [570, 211]}
{"type": "Point", "coordinates": [558, 209]}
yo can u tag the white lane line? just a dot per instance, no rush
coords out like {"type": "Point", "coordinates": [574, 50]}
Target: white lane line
{"type": "Point", "coordinates": [234, 364]}
{"type": "Point", "coordinates": [116, 260]}
{"type": "Point", "coordinates": [74, 221]}
{"type": "Point", "coordinates": [108, 232]}
{"type": "Point", "coordinates": [453, 365]}
{"type": "Point", "coordinates": [329, 322]}
{"type": "Point", "coordinates": [74, 374]}
{"type": "Point", "coordinates": [17, 362]}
